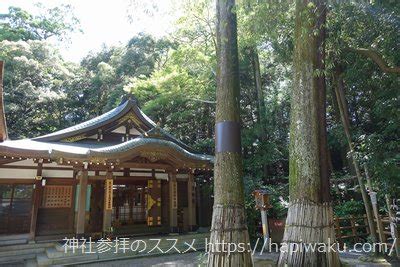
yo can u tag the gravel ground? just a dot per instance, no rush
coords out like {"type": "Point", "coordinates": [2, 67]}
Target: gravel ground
{"type": "Point", "coordinates": [186, 259]}
{"type": "Point", "coordinates": [195, 259]}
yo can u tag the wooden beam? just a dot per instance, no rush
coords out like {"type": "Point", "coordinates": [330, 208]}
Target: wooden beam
{"type": "Point", "coordinates": [61, 181]}
{"type": "Point", "coordinates": [145, 165]}
{"type": "Point", "coordinates": [37, 192]}
{"type": "Point", "coordinates": [33, 167]}
{"type": "Point", "coordinates": [120, 178]}
{"type": "Point", "coordinates": [97, 177]}
{"type": "Point", "coordinates": [83, 182]}
{"type": "Point", "coordinates": [7, 161]}
{"type": "Point", "coordinates": [127, 180]}
{"type": "Point", "coordinates": [17, 181]}
{"type": "Point", "coordinates": [108, 196]}
{"type": "Point", "coordinates": [126, 172]}
{"type": "Point", "coordinates": [191, 202]}
{"type": "Point", "coordinates": [173, 202]}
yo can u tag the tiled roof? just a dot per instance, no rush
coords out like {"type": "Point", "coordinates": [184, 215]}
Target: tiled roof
{"type": "Point", "coordinates": [93, 149]}
{"type": "Point", "coordinates": [54, 145]}
{"type": "Point", "coordinates": [99, 121]}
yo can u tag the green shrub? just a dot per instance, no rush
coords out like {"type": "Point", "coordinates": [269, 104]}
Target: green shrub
{"type": "Point", "coordinates": [349, 208]}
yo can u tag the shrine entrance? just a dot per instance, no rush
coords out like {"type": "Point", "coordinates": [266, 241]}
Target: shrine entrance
{"type": "Point", "coordinates": [136, 206]}
{"type": "Point", "coordinates": [56, 209]}
{"type": "Point", "coordinates": [129, 204]}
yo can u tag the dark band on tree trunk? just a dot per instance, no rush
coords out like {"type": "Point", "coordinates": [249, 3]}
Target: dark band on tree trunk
{"type": "Point", "coordinates": [227, 137]}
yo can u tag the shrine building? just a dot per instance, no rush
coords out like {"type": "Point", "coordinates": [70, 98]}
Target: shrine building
{"type": "Point", "coordinates": [117, 173]}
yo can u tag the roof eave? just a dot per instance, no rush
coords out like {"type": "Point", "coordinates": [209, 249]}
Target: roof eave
{"type": "Point", "coordinates": [117, 153]}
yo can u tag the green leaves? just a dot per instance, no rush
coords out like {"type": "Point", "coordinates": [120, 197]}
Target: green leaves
{"type": "Point", "coordinates": [34, 87]}
{"type": "Point", "coordinates": [57, 22]}
{"type": "Point", "coordinates": [174, 94]}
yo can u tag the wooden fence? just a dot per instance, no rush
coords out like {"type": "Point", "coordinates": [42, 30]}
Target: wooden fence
{"type": "Point", "coordinates": [355, 229]}
{"type": "Point", "coordinates": [352, 228]}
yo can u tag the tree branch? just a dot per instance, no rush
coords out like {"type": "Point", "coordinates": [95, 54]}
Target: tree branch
{"type": "Point", "coordinates": [203, 101]}
{"type": "Point", "coordinates": [377, 58]}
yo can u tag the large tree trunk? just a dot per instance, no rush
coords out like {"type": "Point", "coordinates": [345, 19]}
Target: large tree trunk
{"type": "Point", "coordinates": [310, 216]}
{"type": "Point", "coordinates": [228, 221]}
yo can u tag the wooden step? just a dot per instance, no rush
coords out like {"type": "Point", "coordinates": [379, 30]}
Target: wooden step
{"type": "Point", "coordinates": [7, 240]}
{"type": "Point", "coordinates": [18, 254]}
{"type": "Point", "coordinates": [81, 259]}
{"type": "Point", "coordinates": [14, 237]}
{"type": "Point", "coordinates": [31, 263]}
{"type": "Point", "coordinates": [13, 260]}
{"type": "Point", "coordinates": [21, 247]}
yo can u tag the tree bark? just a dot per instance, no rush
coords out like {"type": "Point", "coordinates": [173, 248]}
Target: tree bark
{"type": "Point", "coordinates": [377, 58]}
{"type": "Point", "coordinates": [255, 61]}
{"type": "Point", "coordinates": [3, 124]}
{"type": "Point", "coordinates": [341, 100]}
{"type": "Point", "coordinates": [228, 221]}
{"type": "Point", "coordinates": [261, 109]}
{"type": "Point", "coordinates": [392, 218]}
{"type": "Point", "coordinates": [310, 215]}
{"type": "Point", "coordinates": [382, 236]}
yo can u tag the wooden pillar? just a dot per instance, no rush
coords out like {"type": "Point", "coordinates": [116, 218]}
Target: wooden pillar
{"type": "Point", "coordinates": [127, 130]}
{"type": "Point", "coordinates": [338, 231]}
{"type": "Point", "coordinates": [173, 202]}
{"type": "Point", "coordinates": [392, 225]}
{"type": "Point", "coordinates": [81, 216]}
{"type": "Point", "coordinates": [374, 204]}
{"type": "Point", "coordinates": [36, 200]}
{"type": "Point", "coordinates": [353, 229]}
{"type": "Point", "coordinates": [199, 205]}
{"type": "Point", "coordinates": [191, 202]}
{"type": "Point", "coordinates": [108, 203]}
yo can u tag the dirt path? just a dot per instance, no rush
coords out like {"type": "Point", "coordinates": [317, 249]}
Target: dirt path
{"type": "Point", "coordinates": [196, 258]}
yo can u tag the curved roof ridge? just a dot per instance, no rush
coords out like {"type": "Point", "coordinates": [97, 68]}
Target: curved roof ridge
{"type": "Point", "coordinates": [137, 142]}
{"type": "Point", "coordinates": [170, 137]}
{"type": "Point", "coordinates": [117, 112]}
{"type": "Point", "coordinates": [29, 147]}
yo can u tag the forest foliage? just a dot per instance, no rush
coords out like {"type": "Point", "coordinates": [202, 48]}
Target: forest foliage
{"type": "Point", "coordinates": [173, 79]}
